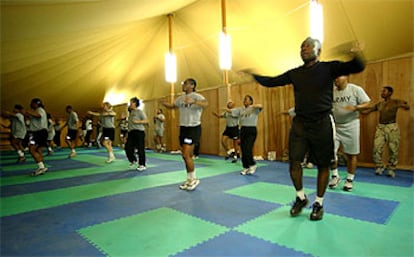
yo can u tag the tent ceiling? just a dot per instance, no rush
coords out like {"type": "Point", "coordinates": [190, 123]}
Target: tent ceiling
{"type": "Point", "coordinates": [75, 52]}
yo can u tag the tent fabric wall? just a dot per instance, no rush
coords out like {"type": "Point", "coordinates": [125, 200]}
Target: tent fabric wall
{"type": "Point", "coordinates": [76, 52]}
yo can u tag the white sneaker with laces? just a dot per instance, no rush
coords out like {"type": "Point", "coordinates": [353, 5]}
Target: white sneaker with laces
{"type": "Point", "coordinates": [333, 183]}
{"type": "Point", "coordinates": [251, 170]}
{"type": "Point", "coordinates": [348, 185]}
{"type": "Point", "coordinates": [391, 173]}
{"type": "Point", "coordinates": [244, 171]}
{"type": "Point", "coordinates": [39, 171]}
{"type": "Point", "coordinates": [378, 171]}
{"type": "Point", "coordinates": [184, 185]}
{"type": "Point", "coordinates": [110, 159]}
{"type": "Point", "coordinates": [193, 183]}
{"type": "Point", "coordinates": [141, 168]}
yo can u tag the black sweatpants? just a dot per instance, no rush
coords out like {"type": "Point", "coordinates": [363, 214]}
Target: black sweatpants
{"type": "Point", "coordinates": [247, 138]}
{"type": "Point", "coordinates": [136, 140]}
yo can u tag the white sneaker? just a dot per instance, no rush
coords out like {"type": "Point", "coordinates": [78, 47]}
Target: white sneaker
{"type": "Point", "coordinates": [333, 183]}
{"type": "Point", "coordinates": [141, 168]}
{"type": "Point", "coordinates": [244, 171]}
{"type": "Point", "coordinates": [39, 171]}
{"type": "Point", "coordinates": [184, 185]}
{"type": "Point", "coordinates": [193, 183]}
{"type": "Point", "coordinates": [348, 185]}
{"type": "Point", "coordinates": [391, 173]}
{"type": "Point", "coordinates": [378, 171]}
{"type": "Point", "coordinates": [251, 170]}
{"type": "Point", "coordinates": [110, 159]}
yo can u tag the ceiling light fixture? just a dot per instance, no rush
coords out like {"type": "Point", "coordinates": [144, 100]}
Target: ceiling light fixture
{"type": "Point", "coordinates": [316, 20]}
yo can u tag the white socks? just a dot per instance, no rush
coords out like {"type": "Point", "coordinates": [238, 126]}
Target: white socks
{"type": "Point", "coordinates": [41, 165]}
{"type": "Point", "coordinates": [191, 175]}
{"type": "Point", "coordinates": [301, 194]}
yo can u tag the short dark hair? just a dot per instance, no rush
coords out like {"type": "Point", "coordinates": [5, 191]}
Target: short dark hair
{"type": "Point", "coordinates": [37, 101]}
{"type": "Point", "coordinates": [135, 100]}
{"type": "Point", "coordinates": [18, 107]}
{"type": "Point", "coordinates": [192, 82]}
{"type": "Point", "coordinates": [390, 89]}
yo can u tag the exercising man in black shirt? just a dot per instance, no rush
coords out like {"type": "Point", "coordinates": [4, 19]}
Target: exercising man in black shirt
{"type": "Point", "coordinates": [313, 127]}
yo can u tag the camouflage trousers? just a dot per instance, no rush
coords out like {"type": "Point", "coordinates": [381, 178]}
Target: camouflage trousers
{"type": "Point", "coordinates": [386, 134]}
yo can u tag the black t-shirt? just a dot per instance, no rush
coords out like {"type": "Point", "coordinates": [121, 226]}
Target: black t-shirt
{"type": "Point", "coordinates": [313, 86]}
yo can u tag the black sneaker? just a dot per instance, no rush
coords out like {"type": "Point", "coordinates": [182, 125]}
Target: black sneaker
{"type": "Point", "coordinates": [317, 211]}
{"type": "Point", "coordinates": [298, 206]}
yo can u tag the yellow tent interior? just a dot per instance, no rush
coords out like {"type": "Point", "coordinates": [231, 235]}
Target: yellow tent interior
{"type": "Point", "coordinates": [81, 52]}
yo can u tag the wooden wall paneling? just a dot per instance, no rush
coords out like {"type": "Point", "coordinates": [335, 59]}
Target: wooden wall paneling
{"type": "Point", "coordinates": [210, 130]}
{"type": "Point", "coordinates": [398, 74]}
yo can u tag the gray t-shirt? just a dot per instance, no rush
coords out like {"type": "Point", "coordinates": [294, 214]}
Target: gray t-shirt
{"type": "Point", "coordinates": [190, 114]}
{"type": "Point", "coordinates": [159, 125]}
{"type": "Point", "coordinates": [18, 126]}
{"type": "Point", "coordinates": [37, 124]}
{"type": "Point", "coordinates": [350, 95]}
{"type": "Point", "coordinates": [231, 121]}
{"type": "Point", "coordinates": [136, 114]}
{"type": "Point", "coordinates": [248, 116]}
{"type": "Point", "coordinates": [73, 120]}
{"type": "Point", "coordinates": [108, 121]}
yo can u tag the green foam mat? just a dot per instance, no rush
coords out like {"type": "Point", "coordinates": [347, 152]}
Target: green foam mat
{"type": "Point", "coordinates": [269, 192]}
{"type": "Point", "coordinates": [139, 235]}
{"type": "Point", "coordinates": [41, 200]}
{"type": "Point", "coordinates": [332, 236]}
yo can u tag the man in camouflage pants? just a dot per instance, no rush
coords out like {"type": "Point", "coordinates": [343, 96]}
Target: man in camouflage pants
{"type": "Point", "coordinates": [387, 130]}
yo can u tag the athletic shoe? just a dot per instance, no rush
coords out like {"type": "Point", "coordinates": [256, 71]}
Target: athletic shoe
{"type": "Point", "coordinates": [391, 173]}
{"type": "Point", "coordinates": [193, 183]}
{"type": "Point", "coordinates": [348, 185]}
{"type": "Point", "coordinates": [132, 164]}
{"type": "Point", "coordinates": [72, 154]}
{"type": "Point", "coordinates": [309, 165]}
{"type": "Point", "coordinates": [244, 171]}
{"type": "Point", "coordinates": [195, 157]}
{"type": "Point", "coordinates": [190, 184]}
{"type": "Point", "coordinates": [39, 171]}
{"type": "Point", "coordinates": [251, 170]}
{"type": "Point", "coordinates": [378, 171]}
{"type": "Point", "coordinates": [110, 159]}
{"type": "Point", "coordinates": [317, 211]}
{"type": "Point", "coordinates": [184, 185]}
{"type": "Point", "coordinates": [141, 168]}
{"type": "Point", "coordinates": [234, 159]}
{"type": "Point", "coordinates": [333, 183]}
{"type": "Point", "coordinates": [298, 206]}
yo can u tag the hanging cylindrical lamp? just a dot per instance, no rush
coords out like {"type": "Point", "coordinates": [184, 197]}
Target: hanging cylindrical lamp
{"type": "Point", "coordinates": [225, 49]}
{"type": "Point", "coordinates": [316, 20]}
{"type": "Point", "coordinates": [170, 58]}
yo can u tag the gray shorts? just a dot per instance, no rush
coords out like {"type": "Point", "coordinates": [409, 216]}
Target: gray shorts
{"type": "Point", "coordinates": [159, 132]}
{"type": "Point", "coordinates": [347, 135]}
